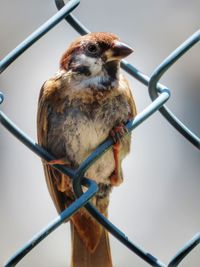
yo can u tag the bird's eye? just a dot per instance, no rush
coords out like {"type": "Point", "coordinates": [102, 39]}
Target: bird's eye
{"type": "Point", "coordinates": [92, 48]}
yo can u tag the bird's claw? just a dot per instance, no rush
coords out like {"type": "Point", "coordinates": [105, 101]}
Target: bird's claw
{"type": "Point", "coordinates": [118, 132]}
{"type": "Point", "coordinates": [57, 162]}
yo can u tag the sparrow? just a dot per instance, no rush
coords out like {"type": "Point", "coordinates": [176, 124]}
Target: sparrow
{"type": "Point", "coordinates": [83, 104]}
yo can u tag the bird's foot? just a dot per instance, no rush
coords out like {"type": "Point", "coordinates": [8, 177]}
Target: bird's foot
{"type": "Point", "coordinates": [118, 132]}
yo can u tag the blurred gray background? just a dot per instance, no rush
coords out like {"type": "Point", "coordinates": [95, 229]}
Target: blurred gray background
{"type": "Point", "coordinates": [157, 206]}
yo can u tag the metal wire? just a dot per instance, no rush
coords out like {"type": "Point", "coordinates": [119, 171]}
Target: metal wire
{"type": "Point", "coordinates": [159, 95]}
{"type": "Point", "coordinates": [66, 214]}
{"type": "Point", "coordinates": [36, 35]}
{"type": "Point", "coordinates": [158, 73]}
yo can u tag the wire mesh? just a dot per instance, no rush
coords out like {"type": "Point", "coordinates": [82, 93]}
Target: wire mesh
{"type": "Point", "coordinates": [159, 95]}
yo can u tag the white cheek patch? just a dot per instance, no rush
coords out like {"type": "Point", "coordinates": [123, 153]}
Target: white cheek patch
{"type": "Point", "coordinates": [94, 64]}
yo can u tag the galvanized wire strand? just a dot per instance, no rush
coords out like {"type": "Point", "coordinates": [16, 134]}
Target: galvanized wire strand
{"type": "Point", "coordinates": [169, 61]}
{"type": "Point", "coordinates": [77, 175]}
{"type": "Point", "coordinates": [156, 76]}
{"type": "Point", "coordinates": [74, 22]}
{"type": "Point", "coordinates": [53, 225]}
{"type": "Point", "coordinates": [183, 252]}
{"type": "Point", "coordinates": [36, 35]}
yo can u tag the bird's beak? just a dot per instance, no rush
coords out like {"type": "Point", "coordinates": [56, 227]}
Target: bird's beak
{"type": "Point", "coordinates": [118, 51]}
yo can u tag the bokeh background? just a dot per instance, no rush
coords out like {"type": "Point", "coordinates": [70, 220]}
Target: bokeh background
{"type": "Point", "coordinates": [158, 204]}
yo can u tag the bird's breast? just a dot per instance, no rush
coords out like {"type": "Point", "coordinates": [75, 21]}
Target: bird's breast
{"type": "Point", "coordinates": [87, 126]}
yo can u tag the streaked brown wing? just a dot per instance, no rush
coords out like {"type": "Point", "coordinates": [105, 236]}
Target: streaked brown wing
{"type": "Point", "coordinates": [51, 174]}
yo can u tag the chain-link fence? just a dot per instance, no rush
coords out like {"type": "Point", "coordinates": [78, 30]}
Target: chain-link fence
{"type": "Point", "coordinates": [159, 95]}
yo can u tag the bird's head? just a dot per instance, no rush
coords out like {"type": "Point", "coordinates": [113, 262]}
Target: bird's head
{"type": "Point", "coordinates": [94, 58]}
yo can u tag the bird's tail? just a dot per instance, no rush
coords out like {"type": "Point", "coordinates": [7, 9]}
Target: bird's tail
{"type": "Point", "coordinates": [82, 257]}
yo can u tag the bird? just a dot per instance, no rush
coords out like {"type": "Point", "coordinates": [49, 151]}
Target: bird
{"type": "Point", "coordinates": [85, 102]}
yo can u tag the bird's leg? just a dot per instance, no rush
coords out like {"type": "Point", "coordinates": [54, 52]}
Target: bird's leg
{"type": "Point", "coordinates": [116, 178]}
{"type": "Point", "coordinates": [117, 133]}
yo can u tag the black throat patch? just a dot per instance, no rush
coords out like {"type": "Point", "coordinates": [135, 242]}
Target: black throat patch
{"type": "Point", "coordinates": [112, 69]}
